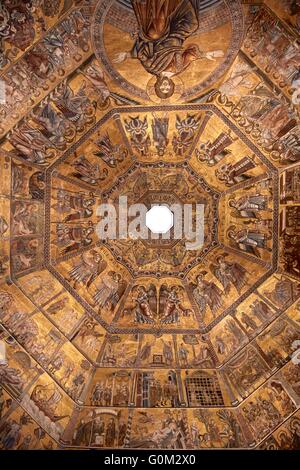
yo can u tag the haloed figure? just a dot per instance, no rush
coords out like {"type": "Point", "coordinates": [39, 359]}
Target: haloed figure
{"type": "Point", "coordinates": [163, 27]}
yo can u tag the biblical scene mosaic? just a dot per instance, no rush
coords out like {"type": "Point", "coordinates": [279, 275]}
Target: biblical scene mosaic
{"type": "Point", "coordinates": [143, 344]}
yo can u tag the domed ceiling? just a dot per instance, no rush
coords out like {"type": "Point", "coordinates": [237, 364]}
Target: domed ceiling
{"type": "Point", "coordinates": [110, 342]}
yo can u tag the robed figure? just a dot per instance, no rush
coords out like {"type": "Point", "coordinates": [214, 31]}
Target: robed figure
{"type": "Point", "coordinates": [163, 27]}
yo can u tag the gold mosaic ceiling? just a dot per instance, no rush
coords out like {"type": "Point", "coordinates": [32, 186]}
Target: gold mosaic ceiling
{"type": "Point", "coordinates": [140, 343]}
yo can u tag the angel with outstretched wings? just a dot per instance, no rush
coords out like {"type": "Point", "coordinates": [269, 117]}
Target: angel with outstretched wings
{"type": "Point", "coordinates": [109, 291]}
{"type": "Point", "coordinates": [88, 269]}
{"type": "Point", "coordinates": [170, 304]}
{"type": "Point", "coordinates": [207, 295]}
{"type": "Point", "coordinates": [145, 299]}
{"type": "Point", "coordinates": [229, 274]}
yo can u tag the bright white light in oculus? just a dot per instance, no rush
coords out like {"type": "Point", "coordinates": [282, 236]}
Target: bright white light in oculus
{"type": "Point", "coordinates": [159, 219]}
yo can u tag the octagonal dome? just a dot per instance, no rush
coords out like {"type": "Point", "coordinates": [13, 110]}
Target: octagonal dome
{"type": "Point", "coordinates": [107, 339]}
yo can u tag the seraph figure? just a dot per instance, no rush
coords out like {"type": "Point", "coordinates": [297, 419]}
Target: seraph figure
{"type": "Point", "coordinates": [139, 137]}
{"type": "Point", "coordinates": [186, 129]}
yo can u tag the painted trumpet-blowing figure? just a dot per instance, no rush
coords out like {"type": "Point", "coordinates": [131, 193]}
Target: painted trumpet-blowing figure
{"type": "Point", "coordinates": [163, 27]}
